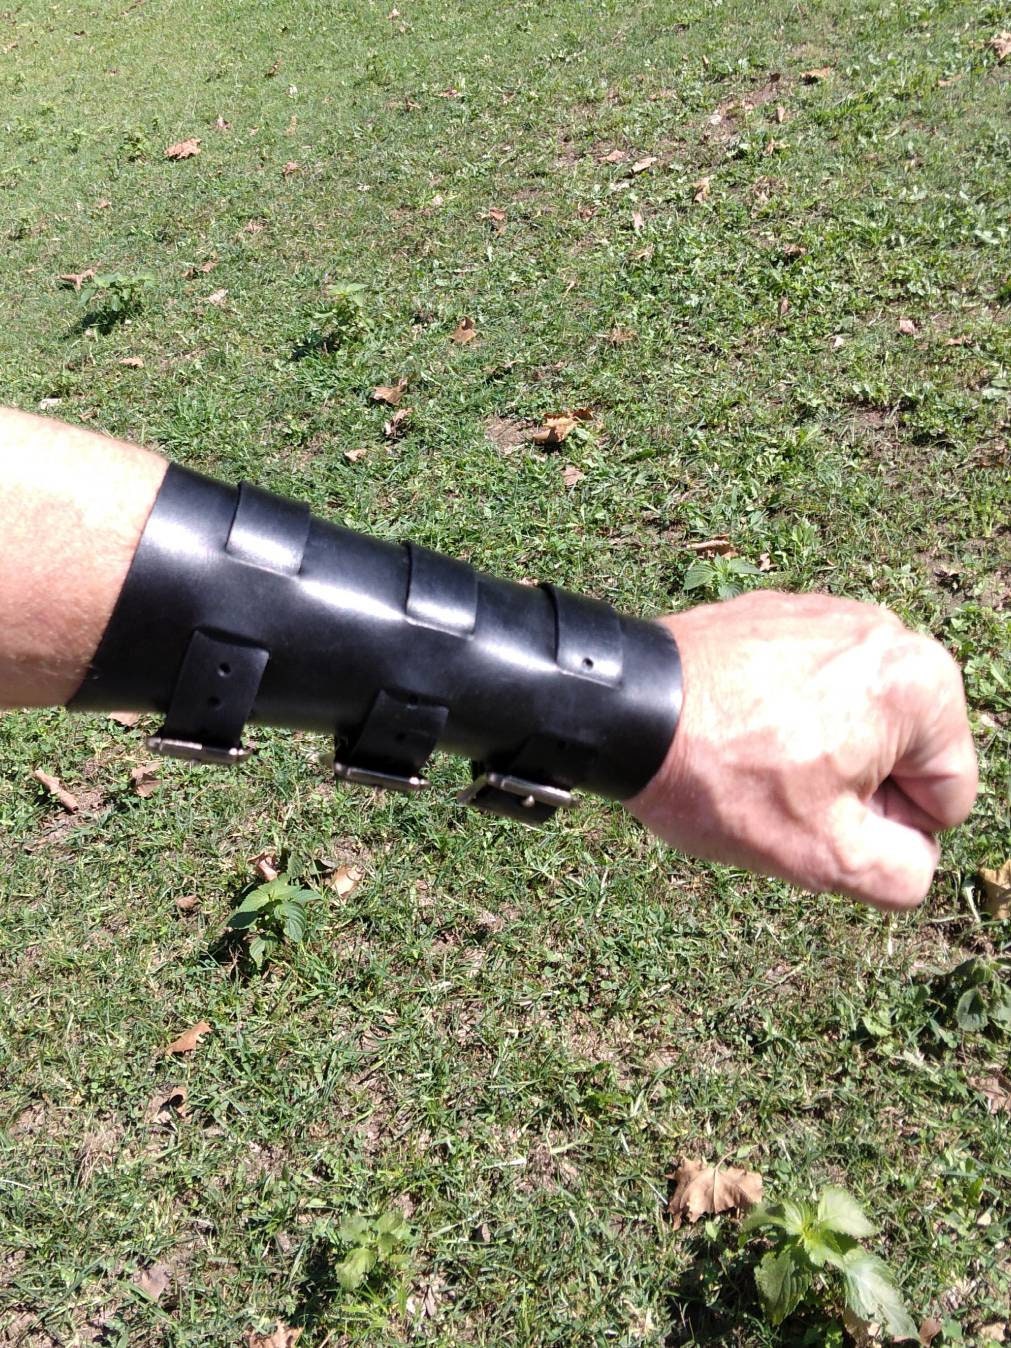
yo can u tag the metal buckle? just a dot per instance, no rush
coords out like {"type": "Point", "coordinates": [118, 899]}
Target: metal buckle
{"type": "Point", "coordinates": [221, 756]}
{"type": "Point", "coordinates": [386, 781]}
{"type": "Point", "coordinates": [482, 791]}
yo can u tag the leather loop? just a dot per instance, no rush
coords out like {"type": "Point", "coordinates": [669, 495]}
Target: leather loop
{"type": "Point", "coordinates": [398, 736]}
{"type": "Point", "coordinates": [214, 691]}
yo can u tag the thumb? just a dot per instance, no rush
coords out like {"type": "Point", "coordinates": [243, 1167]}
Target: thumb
{"type": "Point", "coordinates": [889, 862]}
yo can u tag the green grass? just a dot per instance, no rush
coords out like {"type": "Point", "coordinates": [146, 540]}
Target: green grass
{"type": "Point", "coordinates": [512, 1036]}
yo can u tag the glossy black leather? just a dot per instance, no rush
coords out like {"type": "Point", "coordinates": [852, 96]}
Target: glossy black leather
{"type": "Point", "coordinates": [241, 606]}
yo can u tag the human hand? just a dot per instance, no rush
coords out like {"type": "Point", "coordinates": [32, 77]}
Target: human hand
{"type": "Point", "coordinates": [821, 741]}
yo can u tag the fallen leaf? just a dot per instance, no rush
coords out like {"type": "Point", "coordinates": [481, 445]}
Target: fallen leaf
{"type": "Point", "coordinates": [618, 336]}
{"type": "Point", "coordinates": [614, 157]}
{"type": "Point", "coordinates": [154, 1282]}
{"type": "Point", "coordinates": [700, 1189]}
{"type": "Point", "coordinates": [641, 165]}
{"type": "Point", "coordinates": [266, 866]}
{"type": "Point", "coordinates": [864, 1333]}
{"type": "Point", "coordinates": [449, 93]}
{"type": "Point", "coordinates": [183, 149]}
{"type": "Point", "coordinates": [217, 298]}
{"type": "Point", "coordinates": [837, 342]}
{"type": "Point", "coordinates": [1000, 44]}
{"type": "Point", "coordinates": [571, 475]}
{"type": "Point", "coordinates": [587, 212]}
{"type": "Point", "coordinates": [290, 168]}
{"type": "Point", "coordinates": [997, 891]}
{"type": "Point", "coordinates": [389, 393]}
{"type": "Point", "coordinates": [145, 780]}
{"type": "Point", "coordinates": [496, 217]}
{"type": "Point", "coordinates": [397, 424]}
{"type": "Point", "coordinates": [555, 430]}
{"type": "Point", "coordinates": [817, 75]}
{"type": "Point", "coordinates": [713, 547]}
{"type": "Point", "coordinates": [271, 71]}
{"type": "Point", "coordinates": [253, 226]}
{"type": "Point", "coordinates": [781, 114]}
{"type": "Point", "coordinates": [282, 1336]}
{"type": "Point", "coordinates": [996, 1332]}
{"type": "Point", "coordinates": [52, 784]}
{"type": "Point", "coordinates": [996, 1090]}
{"type": "Point", "coordinates": [125, 718]}
{"type": "Point", "coordinates": [929, 1331]}
{"type": "Point", "coordinates": [186, 903]}
{"type": "Point", "coordinates": [133, 362]}
{"type": "Point", "coordinates": [292, 126]}
{"type": "Point", "coordinates": [638, 223]}
{"type": "Point", "coordinates": [188, 1041]}
{"type": "Point", "coordinates": [793, 251]}
{"type": "Point", "coordinates": [353, 455]}
{"type": "Point", "coordinates": [907, 327]}
{"type": "Point", "coordinates": [702, 189]}
{"type": "Point", "coordinates": [765, 562]}
{"type": "Point", "coordinates": [163, 1104]}
{"type": "Point", "coordinates": [482, 1233]}
{"type": "Point", "coordinates": [102, 205]}
{"type": "Point", "coordinates": [783, 307]}
{"type": "Point", "coordinates": [465, 333]}
{"type": "Point", "coordinates": [77, 278]}
{"type": "Point", "coordinates": [200, 268]}
{"type": "Point", "coordinates": [221, 125]}
{"type": "Point", "coordinates": [345, 879]}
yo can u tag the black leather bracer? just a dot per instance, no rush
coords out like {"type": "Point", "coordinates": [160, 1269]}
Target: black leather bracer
{"type": "Point", "coordinates": [240, 606]}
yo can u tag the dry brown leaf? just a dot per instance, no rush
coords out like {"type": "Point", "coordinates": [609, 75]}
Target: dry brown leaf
{"type": "Point", "coordinates": [996, 1090]}
{"type": "Point", "coordinates": [555, 430]}
{"type": "Point", "coordinates": [77, 278]}
{"type": "Point", "coordinates": [907, 327]}
{"type": "Point", "coordinates": [929, 1331]}
{"type": "Point", "coordinates": [397, 424]}
{"type": "Point", "coordinates": [389, 393]}
{"type": "Point", "coordinates": [125, 718]}
{"type": "Point", "coordinates": [765, 562]}
{"type": "Point", "coordinates": [702, 190]}
{"type": "Point", "coordinates": [103, 205]}
{"type": "Point", "coordinates": [163, 1104]}
{"type": "Point", "coordinates": [132, 362]}
{"type": "Point", "coordinates": [614, 157]}
{"type": "Point", "coordinates": [200, 268]}
{"type": "Point", "coordinates": [154, 1282]}
{"type": "Point", "coordinates": [1000, 44]}
{"type": "Point", "coordinates": [52, 784]}
{"type": "Point", "coordinates": [638, 223]}
{"type": "Point", "coordinates": [290, 168]}
{"type": "Point", "coordinates": [145, 780]}
{"type": "Point", "coordinates": [346, 879]}
{"type": "Point", "coordinates": [217, 298]}
{"type": "Point", "coordinates": [641, 165]}
{"type": "Point", "coordinates": [253, 226]}
{"type": "Point", "coordinates": [993, 1333]}
{"type": "Point", "coordinates": [713, 547]}
{"type": "Point", "coordinates": [496, 217]}
{"type": "Point", "coordinates": [780, 114]}
{"type": "Point", "coordinates": [292, 126]}
{"type": "Point", "coordinates": [817, 75]}
{"type": "Point", "coordinates": [783, 307]}
{"type": "Point", "coordinates": [700, 1189]}
{"type": "Point", "coordinates": [618, 336]}
{"type": "Point", "coordinates": [571, 475]}
{"type": "Point", "coordinates": [281, 1336]}
{"type": "Point", "coordinates": [997, 891]}
{"type": "Point", "coordinates": [189, 1040]}
{"type": "Point", "coordinates": [271, 71]}
{"type": "Point", "coordinates": [864, 1333]}
{"type": "Point", "coordinates": [221, 125]}
{"type": "Point", "coordinates": [466, 332]}
{"type": "Point", "coordinates": [186, 903]}
{"type": "Point", "coordinates": [353, 455]}
{"type": "Point", "coordinates": [183, 149]}
{"type": "Point", "coordinates": [265, 864]}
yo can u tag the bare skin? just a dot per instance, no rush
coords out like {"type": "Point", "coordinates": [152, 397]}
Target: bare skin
{"type": "Point", "coordinates": [821, 741]}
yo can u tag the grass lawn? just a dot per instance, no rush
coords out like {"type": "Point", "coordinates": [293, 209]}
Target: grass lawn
{"type": "Point", "coordinates": [767, 247]}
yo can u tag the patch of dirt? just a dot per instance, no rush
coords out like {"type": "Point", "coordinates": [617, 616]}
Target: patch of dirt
{"type": "Point", "coordinates": [507, 434]}
{"type": "Point", "coordinates": [98, 1150]}
{"type": "Point", "coordinates": [725, 121]}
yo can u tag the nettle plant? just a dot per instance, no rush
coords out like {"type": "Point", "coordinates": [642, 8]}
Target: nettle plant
{"type": "Point", "coordinates": [720, 577]}
{"type": "Point", "coordinates": [115, 296]}
{"type": "Point", "coordinates": [373, 1241]}
{"type": "Point", "coordinates": [814, 1242]}
{"type": "Point", "coordinates": [272, 914]}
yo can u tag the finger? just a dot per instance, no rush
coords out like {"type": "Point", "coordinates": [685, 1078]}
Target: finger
{"type": "Point", "coordinates": [891, 802]}
{"type": "Point", "coordinates": [887, 863]}
{"type": "Point", "coordinates": [937, 767]}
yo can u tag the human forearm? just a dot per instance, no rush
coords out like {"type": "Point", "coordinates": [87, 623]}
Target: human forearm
{"type": "Point", "coordinates": [72, 509]}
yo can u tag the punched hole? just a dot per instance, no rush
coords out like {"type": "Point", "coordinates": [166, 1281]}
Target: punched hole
{"type": "Point", "coordinates": [224, 670]}
{"type": "Point", "coordinates": [587, 662]}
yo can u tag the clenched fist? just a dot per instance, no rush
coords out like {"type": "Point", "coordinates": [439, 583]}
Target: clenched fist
{"type": "Point", "coordinates": [821, 741]}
